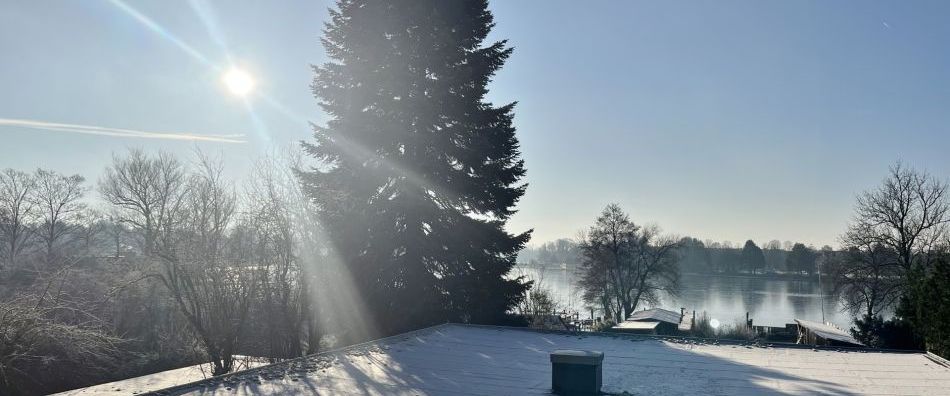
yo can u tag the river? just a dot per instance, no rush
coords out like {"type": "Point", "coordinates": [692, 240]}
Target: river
{"type": "Point", "coordinates": [769, 301]}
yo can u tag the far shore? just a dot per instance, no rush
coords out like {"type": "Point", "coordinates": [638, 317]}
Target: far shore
{"type": "Point", "coordinates": [767, 275]}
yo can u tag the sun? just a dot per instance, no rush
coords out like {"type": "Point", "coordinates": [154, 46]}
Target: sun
{"type": "Point", "coordinates": [238, 81]}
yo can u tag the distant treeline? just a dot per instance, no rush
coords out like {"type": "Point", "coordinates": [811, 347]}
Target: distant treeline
{"type": "Point", "coordinates": [561, 251]}
{"type": "Point", "coordinates": [706, 257]}
{"type": "Point", "coordinates": [714, 257]}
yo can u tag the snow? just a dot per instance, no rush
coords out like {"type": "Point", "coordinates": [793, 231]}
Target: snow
{"type": "Point", "coordinates": [631, 325]}
{"type": "Point", "coordinates": [478, 360]}
{"type": "Point", "coordinates": [828, 332]}
{"type": "Point", "coordinates": [162, 380]}
{"type": "Point", "coordinates": [659, 314]}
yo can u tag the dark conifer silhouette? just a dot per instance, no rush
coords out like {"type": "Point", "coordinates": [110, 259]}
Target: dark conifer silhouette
{"type": "Point", "coordinates": [752, 257]}
{"type": "Point", "coordinates": [801, 259]}
{"type": "Point", "coordinates": [420, 172]}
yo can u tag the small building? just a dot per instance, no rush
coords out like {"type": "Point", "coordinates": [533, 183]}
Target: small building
{"type": "Point", "coordinates": [651, 321]}
{"type": "Point", "coordinates": [814, 333]}
{"type": "Point", "coordinates": [787, 333]}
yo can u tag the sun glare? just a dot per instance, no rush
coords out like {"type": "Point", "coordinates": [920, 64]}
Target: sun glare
{"type": "Point", "coordinates": [239, 82]}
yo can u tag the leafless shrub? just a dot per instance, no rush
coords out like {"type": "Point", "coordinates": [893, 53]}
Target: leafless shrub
{"type": "Point", "coordinates": [51, 343]}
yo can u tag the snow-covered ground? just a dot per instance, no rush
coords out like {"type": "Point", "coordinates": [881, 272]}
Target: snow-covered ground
{"type": "Point", "coordinates": [164, 379]}
{"type": "Point", "coordinates": [475, 360]}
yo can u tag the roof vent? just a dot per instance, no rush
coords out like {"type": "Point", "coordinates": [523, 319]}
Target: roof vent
{"type": "Point", "coordinates": [576, 372]}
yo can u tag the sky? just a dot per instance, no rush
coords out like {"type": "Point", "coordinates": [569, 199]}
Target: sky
{"type": "Point", "coordinates": [720, 120]}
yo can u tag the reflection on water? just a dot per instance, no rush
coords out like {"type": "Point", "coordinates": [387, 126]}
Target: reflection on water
{"type": "Point", "coordinates": [770, 302]}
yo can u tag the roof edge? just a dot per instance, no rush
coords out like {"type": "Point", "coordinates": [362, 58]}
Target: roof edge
{"type": "Point", "coordinates": [690, 338]}
{"type": "Point", "coordinates": [938, 359]}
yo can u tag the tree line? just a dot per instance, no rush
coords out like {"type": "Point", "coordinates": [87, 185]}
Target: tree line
{"type": "Point", "coordinates": [554, 253]}
{"type": "Point", "coordinates": [706, 257]}
{"type": "Point", "coordinates": [711, 257]}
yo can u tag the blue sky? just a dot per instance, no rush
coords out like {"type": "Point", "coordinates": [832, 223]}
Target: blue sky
{"type": "Point", "coordinates": [722, 120]}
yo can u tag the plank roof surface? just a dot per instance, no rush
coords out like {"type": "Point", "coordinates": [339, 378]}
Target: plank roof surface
{"type": "Point", "coordinates": [828, 332]}
{"type": "Point", "coordinates": [659, 314]}
{"type": "Point", "coordinates": [634, 325]}
{"type": "Point", "coordinates": [476, 360]}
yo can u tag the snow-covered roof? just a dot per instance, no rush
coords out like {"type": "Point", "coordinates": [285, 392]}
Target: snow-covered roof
{"type": "Point", "coordinates": [659, 314]}
{"type": "Point", "coordinates": [828, 332]}
{"type": "Point", "coordinates": [162, 380]}
{"type": "Point", "coordinates": [632, 325]}
{"type": "Point", "coordinates": [481, 360]}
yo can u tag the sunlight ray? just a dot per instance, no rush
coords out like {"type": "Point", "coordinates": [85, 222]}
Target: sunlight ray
{"type": "Point", "coordinates": [164, 33]}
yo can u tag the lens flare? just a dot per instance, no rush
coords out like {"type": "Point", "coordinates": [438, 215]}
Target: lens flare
{"type": "Point", "coordinates": [238, 81]}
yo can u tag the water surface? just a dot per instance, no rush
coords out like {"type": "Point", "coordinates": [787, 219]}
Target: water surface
{"type": "Point", "coordinates": [770, 302]}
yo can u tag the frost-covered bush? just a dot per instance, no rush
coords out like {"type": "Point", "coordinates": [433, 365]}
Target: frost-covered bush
{"type": "Point", "coordinates": [45, 346]}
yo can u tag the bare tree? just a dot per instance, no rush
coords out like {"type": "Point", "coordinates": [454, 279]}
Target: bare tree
{"type": "Point", "coordinates": [57, 199]}
{"type": "Point", "coordinates": [275, 216]}
{"type": "Point", "coordinates": [607, 246]}
{"type": "Point", "coordinates": [868, 275]}
{"type": "Point", "coordinates": [896, 234]}
{"type": "Point", "coordinates": [212, 289]}
{"type": "Point", "coordinates": [149, 191]}
{"type": "Point", "coordinates": [538, 301]}
{"type": "Point", "coordinates": [907, 213]}
{"type": "Point", "coordinates": [118, 234]}
{"type": "Point", "coordinates": [656, 266]}
{"type": "Point", "coordinates": [16, 211]}
{"type": "Point", "coordinates": [624, 264]}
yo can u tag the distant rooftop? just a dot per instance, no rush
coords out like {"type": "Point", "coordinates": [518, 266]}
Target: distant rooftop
{"type": "Point", "coordinates": [457, 359]}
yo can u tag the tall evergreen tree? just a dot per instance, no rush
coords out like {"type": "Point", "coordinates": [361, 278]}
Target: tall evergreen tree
{"type": "Point", "coordinates": [419, 173]}
{"type": "Point", "coordinates": [926, 303]}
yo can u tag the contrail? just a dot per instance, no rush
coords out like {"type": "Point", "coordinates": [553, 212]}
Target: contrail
{"type": "Point", "coordinates": [119, 132]}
